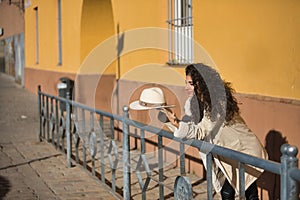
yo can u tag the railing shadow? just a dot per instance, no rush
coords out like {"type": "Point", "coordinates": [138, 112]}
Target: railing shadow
{"type": "Point", "coordinates": [4, 186]}
{"type": "Point", "coordinates": [30, 161]}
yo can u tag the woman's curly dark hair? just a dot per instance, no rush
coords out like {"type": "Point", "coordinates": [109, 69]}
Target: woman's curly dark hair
{"type": "Point", "coordinates": [212, 95]}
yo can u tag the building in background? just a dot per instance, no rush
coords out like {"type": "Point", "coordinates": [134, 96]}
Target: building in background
{"type": "Point", "coordinates": [12, 39]}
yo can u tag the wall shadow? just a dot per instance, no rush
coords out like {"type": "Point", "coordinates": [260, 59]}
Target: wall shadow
{"type": "Point", "coordinates": [269, 181]}
{"type": "Point", "coordinates": [4, 186]}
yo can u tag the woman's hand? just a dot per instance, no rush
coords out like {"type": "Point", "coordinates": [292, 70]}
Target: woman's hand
{"type": "Point", "coordinates": [171, 117]}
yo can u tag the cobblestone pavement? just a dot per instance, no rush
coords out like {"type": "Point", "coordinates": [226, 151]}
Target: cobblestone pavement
{"type": "Point", "coordinates": [30, 169]}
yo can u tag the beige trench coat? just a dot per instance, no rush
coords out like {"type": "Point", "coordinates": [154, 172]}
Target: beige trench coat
{"type": "Point", "coordinates": [237, 137]}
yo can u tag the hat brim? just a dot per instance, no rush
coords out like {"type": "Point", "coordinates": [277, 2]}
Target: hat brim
{"type": "Point", "coordinates": [137, 106]}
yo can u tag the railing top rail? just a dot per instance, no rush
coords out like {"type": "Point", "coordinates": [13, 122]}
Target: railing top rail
{"type": "Point", "coordinates": [204, 147]}
{"type": "Point", "coordinates": [295, 174]}
{"type": "Point", "coordinates": [79, 105]}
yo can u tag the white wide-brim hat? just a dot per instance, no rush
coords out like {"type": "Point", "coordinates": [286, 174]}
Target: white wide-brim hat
{"type": "Point", "coordinates": [150, 98]}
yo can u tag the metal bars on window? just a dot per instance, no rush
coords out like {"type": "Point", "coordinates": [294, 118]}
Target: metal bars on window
{"type": "Point", "coordinates": [180, 25]}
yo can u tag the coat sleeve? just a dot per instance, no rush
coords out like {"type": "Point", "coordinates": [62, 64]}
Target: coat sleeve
{"type": "Point", "coordinates": [190, 130]}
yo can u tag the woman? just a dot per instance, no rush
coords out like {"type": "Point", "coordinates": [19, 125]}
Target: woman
{"type": "Point", "coordinates": [215, 118]}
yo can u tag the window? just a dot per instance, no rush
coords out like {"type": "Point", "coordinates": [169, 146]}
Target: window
{"type": "Point", "coordinates": [180, 27]}
{"type": "Point", "coordinates": [59, 32]}
{"type": "Point", "coordinates": [36, 35]}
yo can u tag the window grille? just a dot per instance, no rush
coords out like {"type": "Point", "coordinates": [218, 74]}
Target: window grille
{"type": "Point", "coordinates": [180, 25]}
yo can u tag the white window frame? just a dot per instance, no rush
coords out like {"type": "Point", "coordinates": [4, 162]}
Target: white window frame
{"type": "Point", "coordinates": [180, 25]}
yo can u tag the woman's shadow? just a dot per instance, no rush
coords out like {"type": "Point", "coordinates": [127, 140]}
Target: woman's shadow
{"type": "Point", "coordinates": [270, 181]}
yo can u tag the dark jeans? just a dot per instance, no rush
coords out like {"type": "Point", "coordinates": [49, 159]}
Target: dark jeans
{"type": "Point", "coordinates": [228, 192]}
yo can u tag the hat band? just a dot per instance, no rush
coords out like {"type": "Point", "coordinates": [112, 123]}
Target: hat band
{"type": "Point", "coordinates": [142, 103]}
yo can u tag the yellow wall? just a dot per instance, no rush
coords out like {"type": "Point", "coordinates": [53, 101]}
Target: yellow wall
{"type": "Point", "coordinates": [48, 35]}
{"type": "Point", "coordinates": [255, 44]}
{"type": "Point", "coordinates": [71, 20]}
{"type": "Point", "coordinates": [133, 14]}
{"type": "Point", "coordinates": [97, 25]}
{"type": "Point", "coordinates": [143, 25]}
{"type": "Point", "coordinates": [30, 36]}
{"type": "Point", "coordinates": [85, 25]}
{"type": "Point", "coordinates": [98, 43]}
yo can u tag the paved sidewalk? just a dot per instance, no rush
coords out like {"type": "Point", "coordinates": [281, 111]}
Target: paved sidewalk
{"type": "Point", "coordinates": [30, 169]}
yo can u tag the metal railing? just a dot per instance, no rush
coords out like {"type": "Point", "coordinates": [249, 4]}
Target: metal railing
{"type": "Point", "coordinates": [84, 129]}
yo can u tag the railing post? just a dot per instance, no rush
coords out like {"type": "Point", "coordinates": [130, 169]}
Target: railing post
{"type": "Point", "coordinates": [47, 118]}
{"type": "Point", "coordinates": [68, 133]}
{"type": "Point", "coordinates": [241, 167]}
{"type": "Point", "coordinates": [126, 156]}
{"type": "Point", "coordinates": [39, 110]}
{"type": "Point", "coordinates": [57, 123]}
{"type": "Point", "coordinates": [51, 120]}
{"type": "Point", "coordinates": [83, 131]}
{"type": "Point", "coordinates": [209, 158]}
{"type": "Point", "coordinates": [102, 149]}
{"type": "Point", "coordinates": [160, 167]}
{"type": "Point", "coordinates": [289, 187]}
{"type": "Point", "coordinates": [182, 160]}
{"type": "Point", "coordinates": [43, 115]}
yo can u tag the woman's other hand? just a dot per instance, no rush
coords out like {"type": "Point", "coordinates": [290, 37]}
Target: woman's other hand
{"type": "Point", "coordinates": [171, 117]}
